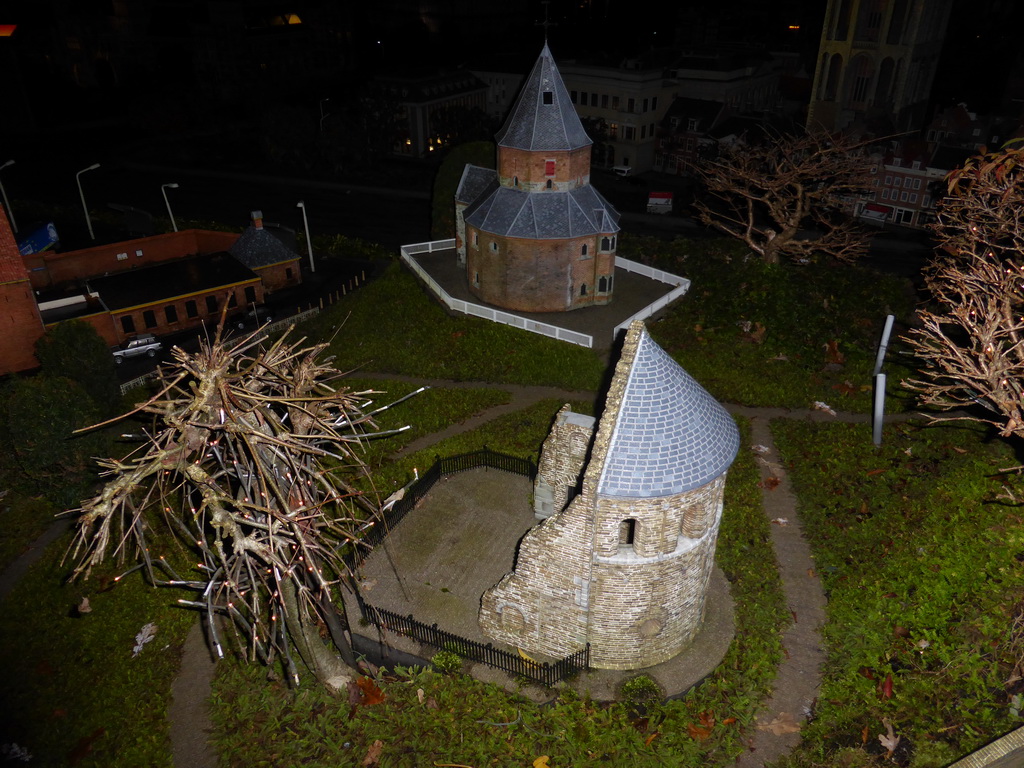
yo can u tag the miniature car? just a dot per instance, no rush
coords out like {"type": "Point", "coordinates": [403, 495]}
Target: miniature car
{"type": "Point", "coordinates": [146, 344]}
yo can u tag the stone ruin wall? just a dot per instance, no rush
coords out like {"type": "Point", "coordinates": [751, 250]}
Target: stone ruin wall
{"type": "Point", "coordinates": [541, 606]}
{"type": "Point", "coordinates": [562, 458]}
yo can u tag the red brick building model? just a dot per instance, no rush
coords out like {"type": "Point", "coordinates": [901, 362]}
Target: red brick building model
{"type": "Point", "coordinates": [162, 284]}
{"type": "Point", "coordinates": [20, 322]}
{"type": "Point", "coordinates": [534, 235]}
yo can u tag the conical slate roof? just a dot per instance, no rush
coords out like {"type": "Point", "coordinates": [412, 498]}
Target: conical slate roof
{"type": "Point", "coordinates": [543, 117]}
{"type": "Point", "coordinates": [669, 435]}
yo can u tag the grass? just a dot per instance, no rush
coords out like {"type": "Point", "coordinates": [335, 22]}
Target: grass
{"type": "Point", "coordinates": [73, 693]}
{"type": "Point", "coordinates": [392, 326]}
{"type": "Point", "coordinates": [428, 717]}
{"type": "Point", "coordinates": [918, 545]}
{"type": "Point", "coordinates": [775, 336]}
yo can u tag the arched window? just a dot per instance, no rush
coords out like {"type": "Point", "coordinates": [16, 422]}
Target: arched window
{"type": "Point", "coordinates": [606, 243]}
{"type": "Point", "coordinates": [548, 184]}
{"type": "Point", "coordinates": [583, 289]}
{"type": "Point", "coordinates": [515, 181]}
{"type": "Point", "coordinates": [602, 285]}
{"type": "Point", "coordinates": [583, 250]}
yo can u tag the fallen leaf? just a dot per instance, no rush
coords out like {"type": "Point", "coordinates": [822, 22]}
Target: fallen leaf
{"type": "Point", "coordinates": [652, 737]}
{"type": "Point", "coordinates": [541, 762]}
{"type": "Point", "coordinates": [832, 353]}
{"type": "Point", "coordinates": [770, 483]}
{"type": "Point", "coordinates": [707, 719]}
{"type": "Point", "coordinates": [888, 740]}
{"type": "Point", "coordinates": [864, 734]}
{"type": "Point", "coordinates": [729, 721]}
{"type": "Point", "coordinates": [432, 703]}
{"type": "Point", "coordinates": [811, 573]}
{"type": "Point", "coordinates": [757, 335]}
{"type": "Point", "coordinates": [698, 732]}
{"type": "Point", "coordinates": [885, 687]}
{"type": "Point", "coordinates": [371, 694]}
{"type": "Point", "coordinates": [783, 724]}
{"type": "Point", "coordinates": [874, 472]}
{"type": "Point", "coordinates": [373, 753]}
{"type": "Point", "coordinates": [866, 672]}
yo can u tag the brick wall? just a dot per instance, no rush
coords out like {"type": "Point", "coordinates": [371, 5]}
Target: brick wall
{"type": "Point", "coordinates": [49, 269]}
{"type": "Point", "coordinates": [20, 323]}
{"type": "Point", "coordinates": [537, 275]}
{"type": "Point", "coordinates": [528, 170]}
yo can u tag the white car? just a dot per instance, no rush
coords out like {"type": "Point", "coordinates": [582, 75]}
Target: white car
{"type": "Point", "coordinates": [146, 344]}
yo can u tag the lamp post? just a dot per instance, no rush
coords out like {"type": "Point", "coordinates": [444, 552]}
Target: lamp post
{"type": "Point", "coordinates": [309, 244]}
{"type": "Point", "coordinates": [81, 194]}
{"type": "Point", "coordinates": [163, 189]}
{"type": "Point", "coordinates": [7, 205]}
{"type": "Point", "coordinates": [322, 115]}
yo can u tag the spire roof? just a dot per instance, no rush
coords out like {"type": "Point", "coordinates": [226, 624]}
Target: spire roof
{"type": "Point", "coordinates": [543, 117]}
{"type": "Point", "coordinates": [668, 434]}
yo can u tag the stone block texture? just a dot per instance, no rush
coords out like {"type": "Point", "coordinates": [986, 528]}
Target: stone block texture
{"type": "Point", "coordinates": [625, 565]}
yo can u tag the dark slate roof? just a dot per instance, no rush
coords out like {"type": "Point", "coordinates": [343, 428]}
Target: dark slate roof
{"type": "Point", "coordinates": [534, 125]}
{"type": "Point", "coordinates": [669, 434]}
{"type": "Point", "coordinates": [473, 183]}
{"type": "Point", "coordinates": [256, 248]}
{"type": "Point", "coordinates": [163, 282]}
{"type": "Point", "coordinates": [539, 215]}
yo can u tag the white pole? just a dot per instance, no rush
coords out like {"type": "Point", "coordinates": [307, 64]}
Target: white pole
{"type": "Point", "coordinates": [879, 408]}
{"type": "Point", "coordinates": [163, 189]}
{"type": "Point", "coordinates": [81, 194]}
{"type": "Point", "coordinates": [309, 243]}
{"type": "Point", "coordinates": [884, 345]}
{"type": "Point", "coordinates": [7, 204]}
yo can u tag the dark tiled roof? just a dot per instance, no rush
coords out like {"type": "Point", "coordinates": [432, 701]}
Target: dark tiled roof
{"type": "Point", "coordinates": [669, 434]}
{"type": "Point", "coordinates": [535, 125]}
{"type": "Point", "coordinates": [256, 248]}
{"type": "Point", "coordinates": [538, 215]}
{"type": "Point", "coordinates": [473, 183]}
{"type": "Point", "coordinates": [169, 280]}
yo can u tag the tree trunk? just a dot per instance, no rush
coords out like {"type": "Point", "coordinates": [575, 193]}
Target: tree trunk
{"type": "Point", "coordinates": [328, 668]}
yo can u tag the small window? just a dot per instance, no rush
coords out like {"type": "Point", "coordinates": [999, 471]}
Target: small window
{"type": "Point", "coordinates": [122, 256]}
{"type": "Point", "coordinates": [232, 301]}
{"type": "Point", "coordinates": [476, 279]}
{"type": "Point", "coordinates": [631, 105]}
{"type": "Point", "coordinates": [627, 532]}
{"type": "Point", "coordinates": [149, 318]}
{"type": "Point", "coordinates": [593, 99]}
{"type": "Point", "coordinates": [604, 101]}
{"type": "Point", "coordinates": [547, 185]}
{"type": "Point", "coordinates": [138, 253]}
{"type": "Point", "coordinates": [917, 183]}
{"type": "Point", "coordinates": [583, 289]}
{"type": "Point", "coordinates": [250, 294]}
{"type": "Point", "coordinates": [476, 238]}
{"type": "Point", "coordinates": [913, 198]}
{"type": "Point", "coordinates": [897, 181]}
{"type": "Point", "coordinates": [572, 96]}
{"type": "Point", "coordinates": [171, 313]}
{"type": "Point", "coordinates": [903, 197]}
{"type": "Point", "coordinates": [615, 102]}
{"type": "Point", "coordinates": [606, 244]}
{"type": "Point", "coordinates": [191, 309]}
{"type": "Point", "coordinates": [494, 247]}
{"type": "Point", "coordinates": [584, 249]}
{"type": "Point", "coordinates": [654, 103]}
{"type": "Point", "coordinates": [646, 103]}
{"type": "Point", "coordinates": [549, 97]}
{"type": "Point", "coordinates": [602, 285]}
{"type": "Point", "coordinates": [549, 167]}
{"type": "Point", "coordinates": [127, 324]}
{"type": "Point", "coordinates": [885, 194]}
{"type": "Point", "coordinates": [515, 181]}
{"type": "Point", "coordinates": [643, 132]}
{"type": "Point", "coordinates": [288, 273]}
{"type": "Point", "coordinates": [211, 304]}
{"type": "Point", "coordinates": [888, 179]}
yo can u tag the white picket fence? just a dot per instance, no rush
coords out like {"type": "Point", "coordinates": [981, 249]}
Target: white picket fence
{"type": "Point", "coordinates": [682, 285]}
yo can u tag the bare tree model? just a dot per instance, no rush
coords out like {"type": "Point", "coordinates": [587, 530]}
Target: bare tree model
{"type": "Point", "coordinates": [247, 465]}
{"type": "Point", "coordinates": [783, 197]}
{"type": "Point", "coordinates": [971, 343]}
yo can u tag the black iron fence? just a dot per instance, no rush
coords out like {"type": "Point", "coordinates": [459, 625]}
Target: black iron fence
{"type": "Point", "coordinates": [546, 674]}
{"type": "Point", "coordinates": [541, 673]}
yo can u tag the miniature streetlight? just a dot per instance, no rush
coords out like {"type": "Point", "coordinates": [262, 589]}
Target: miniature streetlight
{"type": "Point", "coordinates": [7, 204]}
{"type": "Point", "coordinates": [81, 194]}
{"type": "Point", "coordinates": [163, 189]}
{"type": "Point", "coordinates": [309, 243]}
{"type": "Point", "coordinates": [323, 116]}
